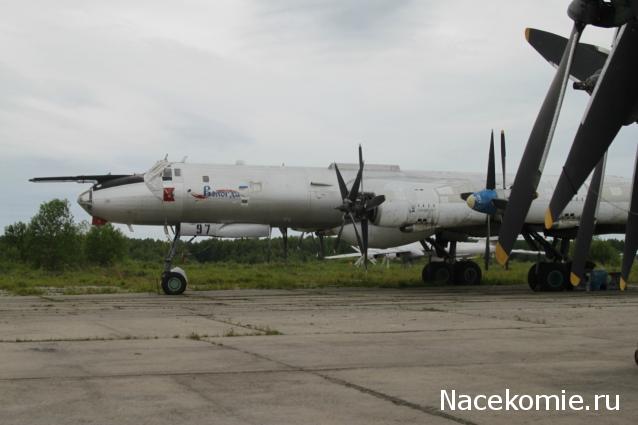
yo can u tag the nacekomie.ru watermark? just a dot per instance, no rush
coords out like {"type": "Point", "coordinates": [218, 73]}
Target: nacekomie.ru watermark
{"type": "Point", "coordinates": [451, 400]}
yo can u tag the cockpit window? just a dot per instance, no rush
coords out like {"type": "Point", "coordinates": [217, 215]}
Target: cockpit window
{"type": "Point", "coordinates": [205, 179]}
{"type": "Point", "coordinates": [178, 172]}
{"type": "Point", "coordinates": [167, 175]}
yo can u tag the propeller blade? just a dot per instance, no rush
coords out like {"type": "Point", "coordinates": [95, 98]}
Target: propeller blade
{"type": "Point", "coordinates": [631, 233]}
{"type": "Point", "coordinates": [342, 184]}
{"type": "Point", "coordinates": [503, 156]}
{"type": "Point", "coordinates": [611, 106]}
{"type": "Point", "coordinates": [531, 167]}
{"type": "Point", "coordinates": [487, 243]}
{"type": "Point", "coordinates": [374, 202]}
{"type": "Point", "coordinates": [361, 167]}
{"type": "Point", "coordinates": [491, 167]}
{"type": "Point", "coordinates": [587, 224]}
{"type": "Point", "coordinates": [356, 232]}
{"type": "Point", "coordinates": [364, 237]}
{"type": "Point", "coordinates": [354, 192]}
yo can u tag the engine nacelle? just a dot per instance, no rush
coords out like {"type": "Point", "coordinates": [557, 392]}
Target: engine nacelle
{"type": "Point", "coordinates": [407, 203]}
{"type": "Point", "coordinates": [393, 213]}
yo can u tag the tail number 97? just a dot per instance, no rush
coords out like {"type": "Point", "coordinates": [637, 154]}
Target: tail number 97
{"type": "Point", "coordinates": [202, 229]}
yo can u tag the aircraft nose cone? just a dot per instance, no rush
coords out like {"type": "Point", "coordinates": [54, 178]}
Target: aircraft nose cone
{"type": "Point", "coordinates": [471, 201]}
{"type": "Point", "coordinates": [85, 200]}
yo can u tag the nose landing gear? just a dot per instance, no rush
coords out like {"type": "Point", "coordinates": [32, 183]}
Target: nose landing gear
{"type": "Point", "coordinates": [174, 279]}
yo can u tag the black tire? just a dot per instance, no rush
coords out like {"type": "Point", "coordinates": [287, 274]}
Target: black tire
{"type": "Point", "coordinates": [467, 273]}
{"type": "Point", "coordinates": [442, 273]}
{"type": "Point", "coordinates": [636, 356]}
{"type": "Point", "coordinates": [426, 274]}
{"type": "Point", "coordinates": [552, 277]}
{"type": "Point", "coordinates": [532, 279]}
{"type": "Point", "coordinates": [173, 283]}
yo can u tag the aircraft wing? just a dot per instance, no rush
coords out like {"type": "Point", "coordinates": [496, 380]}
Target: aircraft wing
{"type": "Point", "coordinates": [340, 256]}
{"type": "Point", "coordinates": [96, 178]}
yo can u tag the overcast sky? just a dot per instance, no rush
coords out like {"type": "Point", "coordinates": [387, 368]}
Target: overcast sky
{"type": "Point", "coordinates": [111, 86]}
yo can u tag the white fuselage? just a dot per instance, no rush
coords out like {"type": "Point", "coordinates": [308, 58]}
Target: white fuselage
{"type": "Point", "coordinates": [306, 198]}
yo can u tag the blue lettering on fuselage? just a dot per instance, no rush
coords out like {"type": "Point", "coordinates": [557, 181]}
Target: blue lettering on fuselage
{"type": "Point", "coordinates": [220, 193]}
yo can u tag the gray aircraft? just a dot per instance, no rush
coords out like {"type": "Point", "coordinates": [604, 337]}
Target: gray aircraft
{"type": "Point", "coordinates": [369, 205]}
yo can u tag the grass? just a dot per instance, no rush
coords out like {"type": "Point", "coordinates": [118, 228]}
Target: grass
{"type": "Point", "coordinates": [20, 279]}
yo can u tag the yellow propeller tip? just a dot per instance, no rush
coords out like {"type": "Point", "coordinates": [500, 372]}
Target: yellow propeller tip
{"type": "Point", "coordinates": [501, 255]}
{"type": "Point", "coordinates": [574, 279]}
{"type": "Point", "coordinates": [549, 220]}
{"type": "Point", "coordinates": [527, 31]}
{"type": "Point", "coordinates": [623, 284]}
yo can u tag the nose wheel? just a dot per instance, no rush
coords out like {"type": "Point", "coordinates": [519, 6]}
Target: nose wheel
{"type": "Point", "coordinates": [174, 280]}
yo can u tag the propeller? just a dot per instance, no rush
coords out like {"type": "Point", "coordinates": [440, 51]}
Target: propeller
{"type": "Point", "coordinates": [631, 233]}
{"type": "Point", "coordinates": [357, 205]}
{"type": "Point", "coordinates": [533, 161]}
{"type": "Point", "coordinates": [487, 201]}
{"type": "Point", "coordinates": [587, 224]}
{"type": "Point", "coordinates": [612, 105]}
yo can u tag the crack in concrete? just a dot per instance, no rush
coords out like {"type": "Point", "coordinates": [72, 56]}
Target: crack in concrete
{"type": "Point", "coordinates": [430, 410]}
{"type": "Point", "coordinates": [365, 390]}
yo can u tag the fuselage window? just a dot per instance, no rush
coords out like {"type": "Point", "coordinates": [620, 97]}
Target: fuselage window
{"type": "Point", "coordinates": [205, 179]}
{"type": "Point", "coordinates": [178, 172]}
{"type": "Point", "coordinates": [167, 175]}
{"type": "Point", "coordinates": [255, 186]}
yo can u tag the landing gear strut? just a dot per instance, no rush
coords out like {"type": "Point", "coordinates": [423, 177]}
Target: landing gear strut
{"type": "Point", "coordinates": [449, 270]}
{"type": "Point", "coordinates": [549, 275]}
{"type": "Point", "coordinates": [174, 279]}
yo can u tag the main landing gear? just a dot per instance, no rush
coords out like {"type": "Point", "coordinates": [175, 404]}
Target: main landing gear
{"type": "Point", "coordinates": [463, 272]}
{"type": "Point", "coordinates": [550, 275]}
{"type": "Point", "coordinates": [174, 279]}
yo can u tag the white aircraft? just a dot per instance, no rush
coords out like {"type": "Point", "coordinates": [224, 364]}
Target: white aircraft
{"type": "Point", "coordinates": [376, 206]}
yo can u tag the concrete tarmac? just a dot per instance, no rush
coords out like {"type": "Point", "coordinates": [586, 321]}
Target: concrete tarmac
{"type": "Point", "coordinates": [325, 356]}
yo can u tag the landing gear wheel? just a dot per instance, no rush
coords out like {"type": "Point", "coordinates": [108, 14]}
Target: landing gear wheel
{"type": "Point", "coordinates": [173, 283]}
{"type": "Point", "coordinates": [636, 356]}
{"type": "Point", "coordinates": [426, 274]}
{"type": "Point", "coordinates": [553, 277]}
{"type": "Point", "coordinates": [467, 273]}
{"type": "Point", "coordinates": [532, 279]}
{"type": "Point", "coordinates": [437, 272]}
{"type": "Point", "coordinates": [442, 273]}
